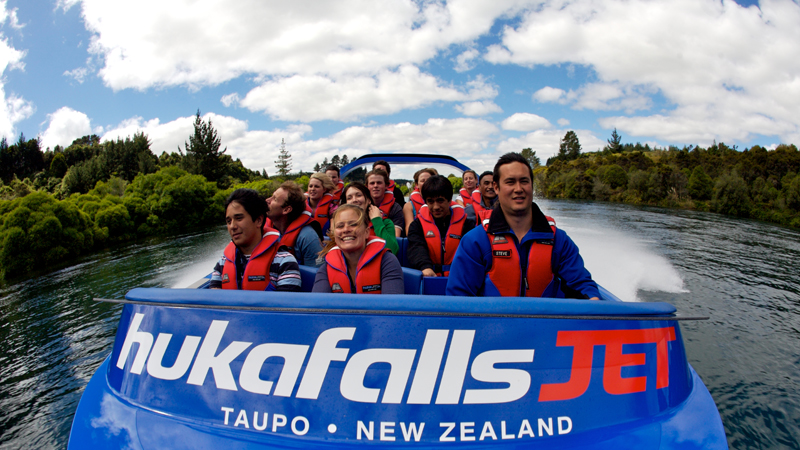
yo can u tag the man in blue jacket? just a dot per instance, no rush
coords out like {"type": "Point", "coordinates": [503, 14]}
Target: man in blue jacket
{"type": "Point", "coordinates": [519, 252]}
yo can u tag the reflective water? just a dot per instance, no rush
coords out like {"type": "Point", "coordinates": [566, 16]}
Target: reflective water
{"type": "Point", "coordinates": [742, 274]}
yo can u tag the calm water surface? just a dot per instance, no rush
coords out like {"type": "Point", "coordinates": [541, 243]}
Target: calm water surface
{"type": "Point", "coordinates": [743, 274]}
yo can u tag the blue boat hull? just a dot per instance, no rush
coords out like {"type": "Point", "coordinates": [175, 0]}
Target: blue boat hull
{"type": "Point", "coordinates": [306, 370]}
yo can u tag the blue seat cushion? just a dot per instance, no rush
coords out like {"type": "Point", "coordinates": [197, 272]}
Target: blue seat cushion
{"type": "Point", "coordinates": [434, 285]}
{"type": "Point", "coordinates": [412, 279]}
{"type": "Point", "coordinates": [307, 275]}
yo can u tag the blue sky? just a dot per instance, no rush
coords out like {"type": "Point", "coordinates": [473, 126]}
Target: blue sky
{"type": "Point", "coordinates": [471, 79]}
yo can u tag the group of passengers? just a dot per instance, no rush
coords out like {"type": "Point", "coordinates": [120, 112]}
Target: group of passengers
{"type": "Point", "coordinates": [490, 240]}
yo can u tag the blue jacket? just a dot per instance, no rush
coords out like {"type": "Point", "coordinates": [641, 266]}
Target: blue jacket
{"type": "Point", "coordinates": [473, 259]}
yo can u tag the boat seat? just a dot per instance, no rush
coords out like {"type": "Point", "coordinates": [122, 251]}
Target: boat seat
{"type": "Point", "coordinates": [402, 252]}
{"type": "Point", "coordinates": [412, 281]}
{"type": "Point", "coordinates": [434, 285]}
{"type": "Point", "coordinates": [307, 275]}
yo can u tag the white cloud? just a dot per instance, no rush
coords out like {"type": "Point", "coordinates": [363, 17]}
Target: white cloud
{"type": "Point", "coordinates": [525, 122]}
{"type": "Point", "coordinates": [562, 122]}
{"type": "Point", "coordinates": [65, 125]}
{"type": "Point", "coordinates": [546, 142]}
{"type": "Point", "coordinates": [230, 99]}
{"type": "Point", "coordinates": [722, 64]}
{"type": "Point", "coordinates": [478, 108]}
{"type": "Point", "coordinates": [78, 74]}
{"type": "Point", "coordinates": [259, 148]}
{"type": "Point", "coordinates": [10, 16]}
{"type": "Point", "coordinates": [13, 108]}
{"type": "Point", "coordinates": [153, 43]}
{"type": "Point", "coordinates": [465, 61]}
{"type": "Point", "coordinates": [312, 98]}
{"type": "Point", "coordinates": [548, 94]}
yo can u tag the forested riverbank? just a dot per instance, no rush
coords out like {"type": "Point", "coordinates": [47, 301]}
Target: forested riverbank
{"type": "Point", "coordinates": [754, 183]}
{"type": "Point", "coordinates": [56, 205]}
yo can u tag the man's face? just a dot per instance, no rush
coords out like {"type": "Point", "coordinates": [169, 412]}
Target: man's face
{"type": "Point", "coordinates": [438, 206]}
{"type": "Point", "coordinates": [486, 187]}
{"type": "Point", "coordinates": [245, 233]}
{"type": "Point", "coordinates": [334, 176]}
{"type": "Point", "coordinates": [275, 204]}
{"type": "Point", "coordinates": [515, 188]}
{"type": "Point", "coordinates": [377, 187]}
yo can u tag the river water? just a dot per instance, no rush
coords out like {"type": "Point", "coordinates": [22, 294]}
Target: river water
{"type": "Point", "coordinates": [742, 274]}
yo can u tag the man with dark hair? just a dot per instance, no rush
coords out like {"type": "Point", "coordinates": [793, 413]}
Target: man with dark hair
{"type": "Point", "coordinates": [518, 252]}
{"type": "Point", "coordinates": [254, 259]}
{"type": "Point", "coordinates": [333, 172]}
{"type": "Point", "coordinates": [483, 199]}
{"type": "Point", "coordinates": [436, 233]}
{"type": "Point", "coordinates": [377, 180]}
{"type": "Point", "coordinates": [390, 185]}
{"type": "Point", "coordinates": [287, 212]}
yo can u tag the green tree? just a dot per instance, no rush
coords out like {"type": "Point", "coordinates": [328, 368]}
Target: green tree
{"type": "Point", "coordinates": [284, 162]}
{"type": "Point", "coordinates": [58, 166]}
{"type": "Point", "coordinates": [614, 145]}
{"type": "Point", "coordinates": [700, 184]}
{"type": "Point", "coordinates": [731, 196]}
{"type": "Point", "coordinates": [345, 161]}
{"type": "Point", "coordinates": [569, 149]}
{"type": "Point", "coordinates": [317, 168]}
{"type": "Point", "coordinates": [530, 155]}
{"type": "Point", "coordinates": [203, 156]}
{"type": "Point", "coordinates": [336, 161]}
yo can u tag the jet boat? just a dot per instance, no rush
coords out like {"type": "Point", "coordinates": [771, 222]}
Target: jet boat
{"type": "Point", "coordinates": [211, 369]}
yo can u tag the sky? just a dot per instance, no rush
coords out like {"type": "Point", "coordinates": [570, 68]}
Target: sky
{"type": "Point", "coordinates": [471, 79]}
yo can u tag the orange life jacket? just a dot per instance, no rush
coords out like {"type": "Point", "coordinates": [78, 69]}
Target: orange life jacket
{"type": "Point", "coordinates": [337, 193]}
{"type": "Point", "coordinates": [466, 197]}
{"type": "Point", "coordinates": [256, 271]}
{"type": "Point", "coordinates": [368, 271]}
{"type": "Point", "coordinates": [289, 237]}
{"type": "Point", "coordinates": [321, 212]}
{"type": "Point", "coordinates": [506, 269]}
{"type": "Point", "coordinates": [481, 213]}
{"type": "Point", "coordinates": [442, 253]}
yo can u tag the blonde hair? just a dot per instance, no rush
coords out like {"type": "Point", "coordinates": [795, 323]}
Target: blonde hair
{"type": "Point", "coordinates": [361, 221]}
{"type": "Point", "coordinates": [326, 181]}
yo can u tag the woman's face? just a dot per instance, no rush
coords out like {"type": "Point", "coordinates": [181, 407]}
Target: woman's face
{"type": "Point", "coordinates": [423, 177]}
{"type": "Point", "coordinates": [315, 189]}
{"type": "Point", "coordinates": [356, 197]}
{"type": "Point", "coordinates": [348, 235]}
{"type": "Point", "coordinates": [470, 182]}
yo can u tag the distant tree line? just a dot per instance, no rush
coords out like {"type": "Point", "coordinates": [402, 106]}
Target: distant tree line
{"type": "Point", "coordinates": [58, 204]}
{"type": "Point", "coordinates": [756, 182]}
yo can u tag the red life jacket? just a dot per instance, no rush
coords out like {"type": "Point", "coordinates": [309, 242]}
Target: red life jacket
{"type": "Point", "coordinates": [481, 213]}
{"type": "Point", "coordinates": [505, 271]}
{"type": "Point", "coordinates": [368, 270]}
{"type": "Point", "coordinates": [337, 193]}
{"type": "Point", "coordinates": [321, 212]}
{"type": "Point", "coordinates": [289, 237]}
{"type": "Point", "coordinates": [386, 203]}
{"type": "Point", "coordinates": [466, 197]}
{"type": "Point", "coordinates": [417, 200]}
{"type": "Point", "coordinates": [256, 271]}
{"type": "Point", "coordinates": [443, 254]}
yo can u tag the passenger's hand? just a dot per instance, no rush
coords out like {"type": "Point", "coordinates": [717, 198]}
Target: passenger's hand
{"type": "Point", "coordinates": [428, 273]}
{"type": "Point", "coordinates": [374, 212]}
{"type": "Point", "coordinates": [595, 298]}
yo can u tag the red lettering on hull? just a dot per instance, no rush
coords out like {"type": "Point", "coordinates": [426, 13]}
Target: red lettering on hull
{"type": "Point", "coordinates": [584, 342]}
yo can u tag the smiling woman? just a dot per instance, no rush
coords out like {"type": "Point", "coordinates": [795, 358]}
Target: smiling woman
{"type": "Point", "coordinates": [354, 263]}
